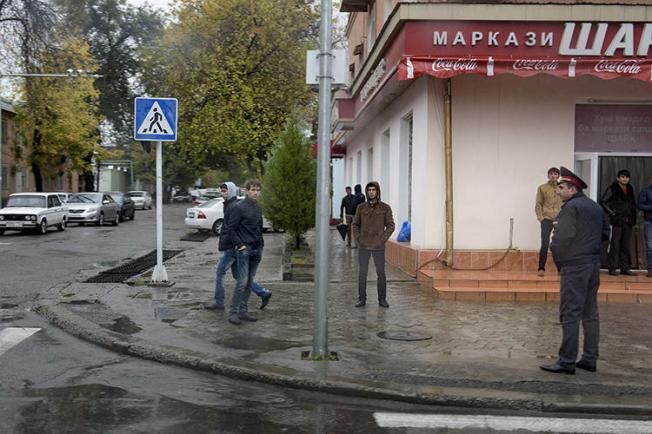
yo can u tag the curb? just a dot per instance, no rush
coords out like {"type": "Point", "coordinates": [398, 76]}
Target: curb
{"type": "Point", "coordinates": [450, 397]}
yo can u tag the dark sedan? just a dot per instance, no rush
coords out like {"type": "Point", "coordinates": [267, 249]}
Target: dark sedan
{"type": "Point", "coordinates": [127, 208]}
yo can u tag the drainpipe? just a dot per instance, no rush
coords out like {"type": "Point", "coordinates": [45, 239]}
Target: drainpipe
{"type": "Point", "coordinates": [448, 149]}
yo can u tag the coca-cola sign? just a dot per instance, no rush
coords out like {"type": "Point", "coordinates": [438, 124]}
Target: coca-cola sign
{"type": "Point", "coordinates": [618, 66]}
{"type": "Point", "coordinates": [535, 65]}
{"type": "Point", "coordinates": [454, 65]}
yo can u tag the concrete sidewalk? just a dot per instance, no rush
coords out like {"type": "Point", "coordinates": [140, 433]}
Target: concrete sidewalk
{"type": "Point", "coordinates": [479, 355]}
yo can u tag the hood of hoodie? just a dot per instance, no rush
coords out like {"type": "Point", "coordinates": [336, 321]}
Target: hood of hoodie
{"type": "Point", "coordinates": [232, 189]}
{"type": "Point", "coordinates": [357, 189]}
{"type": "Point", "coordinates": [374, 184]}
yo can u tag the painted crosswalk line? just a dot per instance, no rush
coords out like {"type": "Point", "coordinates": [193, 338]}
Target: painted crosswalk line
{"type": "Point", "coordinates": [12, 336]}
{"type": "Point", "coordinates": [512, 423]}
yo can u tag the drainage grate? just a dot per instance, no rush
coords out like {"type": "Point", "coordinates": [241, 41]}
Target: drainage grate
{"type": "Point", "coordinates": [197, 236]}
{"type": "Point", "coordinates": [123, 272]}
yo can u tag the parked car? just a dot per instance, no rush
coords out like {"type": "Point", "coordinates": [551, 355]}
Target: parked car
{"type": "Point", "coordinates": [204, 198]}
{"type": "Point", "coordinates": [181, 196]}
{"type": "Point", "coordinates": [142, 199]}
{"type": "Point", "coordinates": [63, 197]}
{"type": "Point", "coordinates": [127, 207]}
{"type": "Point", "coordinates": [208, 216]}
{"type": "Point", "coordinates": [33, 212]}
{"type": "Point", "coordinates": [95, 208]}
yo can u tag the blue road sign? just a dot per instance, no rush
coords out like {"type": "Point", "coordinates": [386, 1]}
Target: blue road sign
{"type": "Point", "coordinates": [155, 119]}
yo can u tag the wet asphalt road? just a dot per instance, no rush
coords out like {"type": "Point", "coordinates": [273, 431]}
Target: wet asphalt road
{"type": "Point", "coordinates": [54, 383]}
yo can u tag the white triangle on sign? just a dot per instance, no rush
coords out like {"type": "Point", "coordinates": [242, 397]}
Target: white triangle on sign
{"type": "Point", "coordinates": [155, 122]}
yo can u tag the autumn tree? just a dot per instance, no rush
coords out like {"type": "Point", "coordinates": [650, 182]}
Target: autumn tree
{"type": "Point", "coordinates": [58, 118]}
{"type": "Point", "coordinates": [288, 198]}
{"type": "Point", "coordinates": [237, 68]}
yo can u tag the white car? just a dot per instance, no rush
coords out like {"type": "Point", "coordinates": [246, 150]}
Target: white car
{"type": "Point", "coordinates": [209, 216]}
{"type": "Point", "coordinates": [33, 212]}
{"type": "Point", "coordinates": [142, 199]}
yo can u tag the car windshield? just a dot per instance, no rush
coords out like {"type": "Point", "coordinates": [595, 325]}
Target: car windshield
{"type": "Point", "coordinates": [117, 197]}
{"type": "Point", "coordinates": [28, 201]}
{"type": "Point", "coordinates": [136, 193]}
{"type": "Point", "coordinates": [210, 203]}
{"type": "Point", "coordinates": [84, 198]}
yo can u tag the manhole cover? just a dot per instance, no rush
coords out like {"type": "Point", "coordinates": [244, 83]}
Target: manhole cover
{"type": "Point", "coordinates": [404, 336]}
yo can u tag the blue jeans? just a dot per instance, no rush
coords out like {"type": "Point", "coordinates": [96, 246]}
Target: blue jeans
{"type": "Point", "coordinates": [246, 263]}
{"type": "Point", "coordinates": [648, 244]}
{"type": "Point", "coordinates": [225, 262]}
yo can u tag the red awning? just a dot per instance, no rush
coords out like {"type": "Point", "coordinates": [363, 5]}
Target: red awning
{"type": "Point", "coordinates": [444, 67]}
{"type": "Point", "coordinates": [337, 151]}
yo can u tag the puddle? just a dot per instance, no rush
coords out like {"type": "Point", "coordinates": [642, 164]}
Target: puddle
{"type": "Point", "coordinates": [123, 325]}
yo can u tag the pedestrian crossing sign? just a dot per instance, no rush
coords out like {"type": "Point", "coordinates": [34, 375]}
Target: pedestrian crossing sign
{"type": "Point", "coordinates": [155, 119]}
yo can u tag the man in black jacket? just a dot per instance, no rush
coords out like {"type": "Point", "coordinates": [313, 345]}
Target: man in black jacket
{"type": "Point", "coordinates": [619, 203]}
{"type": "Point", "coordinates": [245, 228]}
{"type": "Point", "coordinates": [347, 210]}
{"type": "Point", "coordinates": [228, 190]}
{"type": "Point", "coordinates": [575, 248]}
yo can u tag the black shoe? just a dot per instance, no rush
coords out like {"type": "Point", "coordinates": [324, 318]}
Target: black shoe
{"type": "Point", "coordinates": [246, 317]}
{"type": "Point", "coordinates": [265, 300]}
{"type": "Point", "coordinates": [360, 303]}
{"type": "Point", "coordinates": [613, 273]}
{"type": "Point", "coordinates": [627, 273]}
{"type": "Point", "coordinates": [213, 306]}
{"type": "Point", "coordinates": [556, 368]}
{"type": "Point", "coordinates": [383, 303]}
{"type": "Point", "coordinates": [234, 319]}
{"type": "Point", "coordinates": [582, 364]}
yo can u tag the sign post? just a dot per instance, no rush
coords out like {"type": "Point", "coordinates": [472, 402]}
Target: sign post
{"type": "Point", "coordinates": [155, 119]}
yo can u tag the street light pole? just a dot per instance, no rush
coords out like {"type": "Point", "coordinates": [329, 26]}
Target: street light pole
{"type": "Point", "coordinates": [320, 336]}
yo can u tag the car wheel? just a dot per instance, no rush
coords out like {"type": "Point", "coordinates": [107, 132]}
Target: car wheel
{"type": "Point", "coordinates": [2, 232]}
{"type": "Point", "coordinates": [116, 222]}
{"type": "Point", "coordinates": [62, 226]}
{"type": "Point", "coordinates": [43, 228]}
{"type": "Point", "coordinates": [133, 214]}
{"type": "Point", "coordinates": [217, 226]}
{"type": "Point", "coordinates": [100, 220]}
{"type": "Point", "coordinates": [121, 216]}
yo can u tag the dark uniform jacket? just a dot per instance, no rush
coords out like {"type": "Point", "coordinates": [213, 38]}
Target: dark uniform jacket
{"type": "Point", "coordinates": [373, 223]}
{"type": "Point", "coordinates": [620, 207]}
{"type": "Point", "coordinates": [246, 224]}
{"type": "Point", "coordinates": [225, 242]}
{"type": "Point", "coordinates": [580, 230]}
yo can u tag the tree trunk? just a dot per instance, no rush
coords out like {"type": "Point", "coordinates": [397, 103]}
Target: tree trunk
{"type": "Point", "coordinates": [38, 177]}
{"type": "Point", "coordinates": [297, 242]}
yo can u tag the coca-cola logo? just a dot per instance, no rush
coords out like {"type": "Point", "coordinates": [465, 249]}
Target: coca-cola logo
{"type": "Point", "coordinates": [618, 66]}
{"type": "Point", "coordinates": [535, 65]}
{"type": "Point", "coordinates": [454, 65]}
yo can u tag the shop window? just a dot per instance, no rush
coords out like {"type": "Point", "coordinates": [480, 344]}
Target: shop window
{"type": "Point", "coordinates": [358, 167]}
{"type": "Point", "coordinates": [384, 158]}
{"type": "Point", "coordinates": [405, 168]}
{"type": "Point", "coordinates": [370, 164]}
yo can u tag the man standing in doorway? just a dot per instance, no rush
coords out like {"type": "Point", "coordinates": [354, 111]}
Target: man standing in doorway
{"type": "Point", "coordinates": [347, 212]}
{"type": "Point", "coordinates": [228, 190]}
{"type": "Point", "coordinates": [575, 246]}
{"type": "Point", "coordinates": [548, 204]}
{"type": "Point", "coordinates": [246, 231]}
{"type": "Point", "coordinates": [619, 203]}
{"type": "Point", "coordinates": [372, 226]}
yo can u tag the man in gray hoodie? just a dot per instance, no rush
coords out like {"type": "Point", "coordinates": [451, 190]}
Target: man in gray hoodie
{"type": "Point", "coordinates": [227, 260]}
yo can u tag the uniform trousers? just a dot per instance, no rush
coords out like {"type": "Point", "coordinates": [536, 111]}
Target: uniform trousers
{"type": "Point", "coordinates": [579, 303]}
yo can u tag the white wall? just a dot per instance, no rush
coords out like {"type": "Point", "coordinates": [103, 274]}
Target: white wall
{"type": "Point", "coordinates": [338, 186]}
{"type": "Point", "coordinates": [507, 131]}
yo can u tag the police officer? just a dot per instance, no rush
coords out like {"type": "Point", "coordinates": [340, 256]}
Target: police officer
{"type": "Point", "coordinates": [575, 246]}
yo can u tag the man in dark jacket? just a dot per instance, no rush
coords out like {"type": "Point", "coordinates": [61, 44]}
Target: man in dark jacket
{"type": "Point", "coordinates": [619, 203]}
{"type": "Point", "coordinates": [372, 226]}
{"type": "Point", "coordinates": [645, 205]}
{"type": "Point", "coordinates": [228, 190]}
{"type": "Point", "coordinates": [359, 199]}
{"type": "Point", "coordinates": [575, 246]}
{"type": "Point", "coordinates": [347, 210]}
{"type": "Point", "coordinates": [245, 229]}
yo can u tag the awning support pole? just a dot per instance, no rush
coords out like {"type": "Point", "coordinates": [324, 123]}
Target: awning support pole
{"type": "Point", "coordinates": [448, 149]}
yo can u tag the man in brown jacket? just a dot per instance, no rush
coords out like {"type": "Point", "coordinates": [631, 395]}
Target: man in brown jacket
{"type": "Point", "coordinates": [372, 226]}
{"type": "Point", "coordinates": [547, 208]}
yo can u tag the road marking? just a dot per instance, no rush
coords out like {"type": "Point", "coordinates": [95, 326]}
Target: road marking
{"type": "Point", "coordinates": [12, 336]}
{"type": "Point", "coordinates": [509, 423]}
